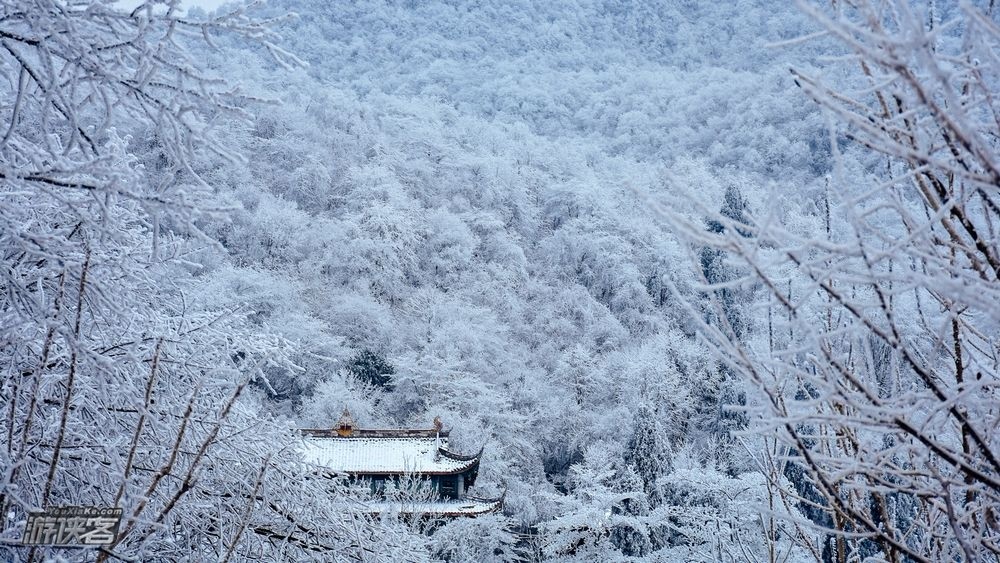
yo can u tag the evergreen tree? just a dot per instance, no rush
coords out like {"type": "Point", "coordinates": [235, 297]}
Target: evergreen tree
{"type": "Point", "coordinates": [630, 533]}
{"type": "Point", "coordinates": [647, 452]}
{"type": "Point", "coordinates": [372, 369]}
{"type": "Point", "coordinates": [718, 272]}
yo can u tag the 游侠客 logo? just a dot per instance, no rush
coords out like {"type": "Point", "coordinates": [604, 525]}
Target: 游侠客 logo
{"type": "Point", "coordinates": [73, 526]}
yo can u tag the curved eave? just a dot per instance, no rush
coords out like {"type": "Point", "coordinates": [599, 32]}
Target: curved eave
{"type": "Point", "coordinates": [490, 507]}
{"type": "Point", "coordinates": [459, 457]}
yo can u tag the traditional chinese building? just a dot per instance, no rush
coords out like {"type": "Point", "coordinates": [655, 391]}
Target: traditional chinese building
{"type": "Point", "coordinates": [375, 456]}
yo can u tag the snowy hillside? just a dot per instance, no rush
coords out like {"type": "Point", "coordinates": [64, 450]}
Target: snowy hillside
{"type": "Point", "coordinates": [705, 281]}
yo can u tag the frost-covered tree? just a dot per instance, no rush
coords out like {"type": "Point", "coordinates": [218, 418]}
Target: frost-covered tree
{"type": "Point", "coordinates": [718, 272]}
{"type": "Point", "coordinates": [485, 538]}
{"type": "Point", "coordinates": [878, 374]}
{"type": "Point", "coordinates": [371, 368]}
{"type": "Point", "coordinates": [124, 384]}
{"type": "Point", "coordinates": [647, 452]}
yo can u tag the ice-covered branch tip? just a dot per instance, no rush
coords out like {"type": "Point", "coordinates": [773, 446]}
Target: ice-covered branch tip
{"type": "Point", "coordinates": [106, 65]}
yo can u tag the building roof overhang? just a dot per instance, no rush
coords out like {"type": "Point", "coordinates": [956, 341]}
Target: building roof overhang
{"type": "Point", "coordinates": [468, 506]}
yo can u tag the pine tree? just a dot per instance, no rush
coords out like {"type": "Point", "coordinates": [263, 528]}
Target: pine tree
{"type": "Point", "coordinates": [647, 452]}
{"type": "Point", "coordinates": [371, 369]}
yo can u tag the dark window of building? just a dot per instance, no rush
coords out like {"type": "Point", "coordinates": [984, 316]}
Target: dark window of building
{"type": "Point", "coordinates": [448, 487]}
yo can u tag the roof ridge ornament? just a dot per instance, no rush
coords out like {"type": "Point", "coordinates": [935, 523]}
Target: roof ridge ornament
{"type": "Point", "coordinates": [345, 426]}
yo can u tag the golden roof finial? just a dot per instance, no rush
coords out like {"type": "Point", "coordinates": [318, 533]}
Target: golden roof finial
{"type": "Point", "coordinates": [345, 426]}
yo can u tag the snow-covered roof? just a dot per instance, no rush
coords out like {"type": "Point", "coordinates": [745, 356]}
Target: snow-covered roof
{"type": "Point", "coordinates": [469, 506]}
{"type": "Point", "coordinates": [384, 454]}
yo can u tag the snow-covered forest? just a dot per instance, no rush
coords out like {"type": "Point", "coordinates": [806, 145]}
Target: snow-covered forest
{"type": "Point", "coordinates": [707, 281]}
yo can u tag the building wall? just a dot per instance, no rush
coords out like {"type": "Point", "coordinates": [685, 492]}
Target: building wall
{"type": "Point", "coordinates": [446, 486]}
